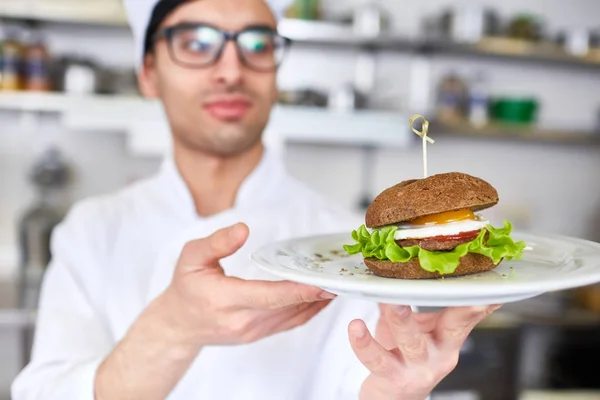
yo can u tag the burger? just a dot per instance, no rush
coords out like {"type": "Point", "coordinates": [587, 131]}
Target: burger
{"type": "Point", "coordinates": [432, 228]}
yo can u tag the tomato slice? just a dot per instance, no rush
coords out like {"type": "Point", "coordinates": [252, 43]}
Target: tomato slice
{"type": "Point", "coordinates": [459, 236]}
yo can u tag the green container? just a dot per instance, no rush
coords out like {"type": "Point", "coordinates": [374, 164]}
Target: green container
{"type": "Point", "coordinates": [520, 111]}
{"type": "Point", "coordinates": [306, 9]}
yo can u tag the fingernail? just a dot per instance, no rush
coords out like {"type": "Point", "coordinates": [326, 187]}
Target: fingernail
{"type": "Point", "coordinates": [327, 296]}
{"type": "Point", "coordinates": [495, 308]}
{"type": "Point", "coordinates": [402, 311]}
{"type": "Point", "coordinates": [480, 309]}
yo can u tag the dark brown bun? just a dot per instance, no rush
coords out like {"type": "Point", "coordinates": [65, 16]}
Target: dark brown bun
{"type": "Point", "coordinates": [470, 264]}
{"type": "Point", "coordinates": [436, 194]}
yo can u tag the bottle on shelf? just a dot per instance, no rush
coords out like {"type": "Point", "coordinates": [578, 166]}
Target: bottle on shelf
{"type": "Point", "coordinates": [2, 39]}
{"type": "Point", "coordinates": [11, 54]}
{"type": "Point", "coordinates": [452, 98]}
{"type": "Point", "coordinates": [479, 100]}
{"type": "Point", "coordinates": [36, 63]}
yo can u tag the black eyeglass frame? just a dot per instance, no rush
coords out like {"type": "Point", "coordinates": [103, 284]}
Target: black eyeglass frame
{"type": "Point", "coordinates": [229, 36]}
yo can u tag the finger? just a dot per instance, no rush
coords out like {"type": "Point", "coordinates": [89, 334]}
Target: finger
{"type": "Point", "coordinates": [268, 319]}
{"type": "Point", "coordinates": [427, 321]}
{"type": "Point", "coordinates": [276, 295]}
{"type": "Point", "coordinates": [207, 252]}
{"type": "Point", "coordinates": [301, 316]}
{"type": "Point", "coordinates": [455, 324]}
{"type": "Point", "coordinates": [371, 354]}
{"type": "Point", "coordinates": [407, 334]}
{"type": "Point", "coordinates": [266, 323]}
{"type": "Point", "coordinates": [383, 332]}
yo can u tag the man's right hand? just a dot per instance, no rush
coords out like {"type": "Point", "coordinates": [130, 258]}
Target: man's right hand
{"type": "Point", "coordinates": [211, 308]}
{"type": "Point", "coordinates": [201, 307]}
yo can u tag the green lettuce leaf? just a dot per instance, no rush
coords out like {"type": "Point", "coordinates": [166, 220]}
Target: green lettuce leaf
{"type": "Point", "coordinates": [380, 244]}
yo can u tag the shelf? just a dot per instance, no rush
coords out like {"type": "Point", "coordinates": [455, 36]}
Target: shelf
{"type": "Point", "coordinates": [337, 34]}
{"type": "Point", "coordinates": [111, 13]}
{"type": "Point", "coordinates": [96, 12]}
{"type": "Point", "coordinates": [148, 132]}
{"type": "Point", "coordinates": [56, 102]}
{"type": "Point", "coordinates": [512, 50]}
{"type": "Point", "coordinates": [144, 122]}
{"type": "Point", "coordinates": [517, 133]}
{"type": "Point", "coordinates": [327, 33]}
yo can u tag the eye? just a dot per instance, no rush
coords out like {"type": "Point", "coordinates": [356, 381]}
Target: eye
{"type": "Point", "coordinates": [256, 42]}
{"type": "Point", "coordinates": [199, 40]}
{"type": "Point", "coordinates": [197, 45]}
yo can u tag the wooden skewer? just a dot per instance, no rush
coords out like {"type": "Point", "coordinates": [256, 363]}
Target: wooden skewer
{"type": "Point", "coordinates": [423, 135]}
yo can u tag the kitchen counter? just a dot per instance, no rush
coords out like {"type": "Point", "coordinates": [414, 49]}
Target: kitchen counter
{"type": "Point", "coordinates": [560, 395]}
{"type": "Point", "coordinates": [567, 318]}
{"type": "Point", "coordinates": [552, 310]}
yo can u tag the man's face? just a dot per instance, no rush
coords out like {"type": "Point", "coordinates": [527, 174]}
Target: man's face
{"type": "Point", "coordinates": [221, 109]}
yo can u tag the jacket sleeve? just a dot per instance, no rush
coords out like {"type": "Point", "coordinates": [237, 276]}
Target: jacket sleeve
{"type": "Point", "coordinates": [71, 338]}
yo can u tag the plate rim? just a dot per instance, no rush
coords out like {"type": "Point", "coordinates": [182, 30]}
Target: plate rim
{"type": "Point", "coordinates": [413, 287]}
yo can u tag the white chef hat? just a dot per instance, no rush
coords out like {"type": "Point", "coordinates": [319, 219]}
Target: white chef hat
{"type": "Point", "coordinates": [140, 14]}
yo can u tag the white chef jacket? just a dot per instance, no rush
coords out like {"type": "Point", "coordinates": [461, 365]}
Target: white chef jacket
{"type": "Point", "coordinates": [113, 254]}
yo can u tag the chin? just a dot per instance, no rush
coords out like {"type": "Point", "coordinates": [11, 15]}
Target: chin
{"type": "Point", "coordinates": [225, 143]}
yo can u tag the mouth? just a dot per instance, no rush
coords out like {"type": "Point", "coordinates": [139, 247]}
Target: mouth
{"type": "Point", "coordinates": [231, 109]}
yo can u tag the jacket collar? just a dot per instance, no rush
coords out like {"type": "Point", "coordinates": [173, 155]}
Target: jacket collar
{"type": "Point", "coordinates": [260, 189]}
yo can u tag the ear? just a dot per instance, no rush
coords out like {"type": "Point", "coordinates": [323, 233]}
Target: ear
{"type": "Point", "coordinates": [147, 77]}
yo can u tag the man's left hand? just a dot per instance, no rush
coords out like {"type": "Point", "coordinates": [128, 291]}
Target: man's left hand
{"type": "Point", "coordinates": [412, 352]}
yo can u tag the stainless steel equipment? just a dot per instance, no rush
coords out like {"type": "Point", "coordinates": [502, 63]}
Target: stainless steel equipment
{"type": "Point", "coordinates": [50, 175]}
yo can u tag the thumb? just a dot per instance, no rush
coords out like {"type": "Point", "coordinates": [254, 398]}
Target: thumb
{"type": "Point", "coordinates": [206, 253]}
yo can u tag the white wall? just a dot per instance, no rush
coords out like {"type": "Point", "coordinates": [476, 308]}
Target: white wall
{"type": "Point", "coordinates": [543, 187]}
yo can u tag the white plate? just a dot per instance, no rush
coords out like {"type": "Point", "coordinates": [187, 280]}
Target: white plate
{"type": "Point", "coordinates": [550, 263]}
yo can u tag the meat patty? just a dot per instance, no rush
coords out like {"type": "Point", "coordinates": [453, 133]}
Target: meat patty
{"type": "Point", "coordinates": [436, 244]}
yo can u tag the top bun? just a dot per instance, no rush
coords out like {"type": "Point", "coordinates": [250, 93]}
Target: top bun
{"type": "Point", "coordinates": [433, 195]}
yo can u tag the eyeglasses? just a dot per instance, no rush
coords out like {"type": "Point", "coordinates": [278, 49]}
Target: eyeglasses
{"type": "Point", "coordinates": [200, 45]}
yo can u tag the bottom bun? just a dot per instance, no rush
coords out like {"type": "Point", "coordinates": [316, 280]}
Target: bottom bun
{"type": "Point", "coordinates": [470, 264]}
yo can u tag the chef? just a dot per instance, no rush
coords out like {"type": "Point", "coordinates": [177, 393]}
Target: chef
{"type": "Point", "coordinates": [151, 293]}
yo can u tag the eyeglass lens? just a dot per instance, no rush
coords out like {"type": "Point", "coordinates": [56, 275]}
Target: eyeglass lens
{"type": "Point", "coordinates": [198, 46]}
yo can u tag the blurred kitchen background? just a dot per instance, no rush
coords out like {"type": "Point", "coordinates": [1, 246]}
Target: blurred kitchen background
{"type": "Point", "coordinates": [512, 90]}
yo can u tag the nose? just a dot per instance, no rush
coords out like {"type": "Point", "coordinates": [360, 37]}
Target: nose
{"type": "Point", "coordinates": [229, 69]}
